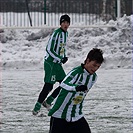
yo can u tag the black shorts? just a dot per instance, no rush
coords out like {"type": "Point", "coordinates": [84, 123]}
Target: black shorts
{"type": "Point", "coordinates": [58, 125]}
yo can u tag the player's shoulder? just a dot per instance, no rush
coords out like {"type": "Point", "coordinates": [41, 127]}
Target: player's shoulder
{"type": "Point", "coordinates": [57, 30]}
{"type": "Point", "coordinates": [78, 69]}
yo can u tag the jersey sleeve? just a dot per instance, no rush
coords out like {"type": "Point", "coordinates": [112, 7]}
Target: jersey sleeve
{"type": "Point", "coordinates": [51, 46]}
{"type": "Point", "coordinates": [69, 82]}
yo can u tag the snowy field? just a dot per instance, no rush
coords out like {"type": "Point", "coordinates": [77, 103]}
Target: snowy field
{"type": "Point", "coordinates": [108, 105]}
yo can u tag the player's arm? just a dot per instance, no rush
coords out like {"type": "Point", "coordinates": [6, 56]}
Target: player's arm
{"type": "Point", "coordinates": [69, 82]}
{"type": "Point", "coordinates": [52, 46]}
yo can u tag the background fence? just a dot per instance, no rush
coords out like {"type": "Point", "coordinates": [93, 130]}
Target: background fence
{"type": "Point", "coordinates": [40, 12]}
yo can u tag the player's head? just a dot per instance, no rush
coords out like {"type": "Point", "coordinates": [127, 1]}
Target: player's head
{"type": "Point", "coordinates": [64, 18]}
{"type": "Point", "coordinates": [93, 60]}
{"type": "Point", "coordinates": [95, 55]}
{"type": "Point", "coordinates": [64, 22]}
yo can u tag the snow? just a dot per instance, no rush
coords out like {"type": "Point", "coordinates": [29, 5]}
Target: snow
{"type": "Point", "coordinates": [27, 47]}
{"type": "Point", "coordinates": [108, 104]}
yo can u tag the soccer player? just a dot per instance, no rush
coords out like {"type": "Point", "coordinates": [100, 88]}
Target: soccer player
{"type": "Point", "coordinates": [66, 112]}
{"type": "Point", "coordinates": [55, 57]}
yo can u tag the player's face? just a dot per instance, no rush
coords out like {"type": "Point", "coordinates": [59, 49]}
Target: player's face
{"type": "Point", "coordinates": [65, 25]}
{"type": "Point", "coordinates": [91, 66]}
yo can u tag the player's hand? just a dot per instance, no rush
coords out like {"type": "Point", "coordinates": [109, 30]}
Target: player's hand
{"type": "Point", "coordinates": [81, 88]}
{"type": "Point", "coordinates": [64, 60]}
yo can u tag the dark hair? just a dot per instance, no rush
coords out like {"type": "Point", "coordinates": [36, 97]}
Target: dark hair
{"type": "Point", "coordinates": [95, 55]}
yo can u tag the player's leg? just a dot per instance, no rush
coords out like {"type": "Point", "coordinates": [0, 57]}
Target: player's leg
{"type": "Point", "coordinates": [58, 125]}
{"type": "Point", "coordinates": [49, 79]}
{"type": "Point", "coordinates": [43, 94]}
{"type": "Point", "coordinates": [45, 91]}
{"type": "Point", "coordinates": [60, 75]}
{"type": "Point", "coordinates": [80, 126]}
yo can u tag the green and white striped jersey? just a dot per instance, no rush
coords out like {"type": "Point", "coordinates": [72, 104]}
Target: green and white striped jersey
{"type": "Point", "coordinates": [55, 49]}
{"type": "Point", "coordinates": [69, 103]}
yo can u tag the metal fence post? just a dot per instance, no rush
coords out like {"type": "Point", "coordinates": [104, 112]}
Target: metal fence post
{"type": "Point", "coordinates": [118, 8]}
{"type": "Point", "coordinates": [28, 12]}
{"type": "Point", "coordinates": [44, 11]}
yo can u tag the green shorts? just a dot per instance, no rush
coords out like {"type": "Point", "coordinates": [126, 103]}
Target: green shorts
{"type": "Point", "coordinates": [53, 72]}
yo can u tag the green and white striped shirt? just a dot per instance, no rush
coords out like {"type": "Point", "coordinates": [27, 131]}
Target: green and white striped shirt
{"type": "Point", "coordinates": [69, 103]}
{"type": "Point", "coordinates": [55, 49]}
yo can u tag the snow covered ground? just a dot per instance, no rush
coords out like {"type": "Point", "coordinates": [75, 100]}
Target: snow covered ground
{"type": "Point", "coordinates": [26, 48]}
{"type": "Point", "coordinates": [108, 106]}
